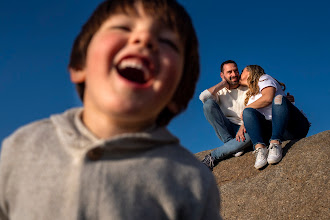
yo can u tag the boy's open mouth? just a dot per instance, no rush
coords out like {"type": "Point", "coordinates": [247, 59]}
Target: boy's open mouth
{"type": "Point", "coordinates": [134, 71]}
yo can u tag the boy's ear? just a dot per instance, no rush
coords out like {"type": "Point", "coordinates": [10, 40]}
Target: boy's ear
{"type": "Point", "coordinates": [77, 76]}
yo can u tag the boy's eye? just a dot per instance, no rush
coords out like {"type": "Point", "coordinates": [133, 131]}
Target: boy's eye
{"type": "Point", "coordinates": [169, 43]}
{"type": "Point", "coordinates": [121, 27]}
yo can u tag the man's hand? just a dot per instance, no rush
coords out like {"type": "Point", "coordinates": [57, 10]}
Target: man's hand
{"type": "Point", "coordinates": [290, 97]}
{"type": "Point", "coordinates": [240, 134]}
{"type": "Point", "coordinates": [225, 83]}
{"type": "Point", "coordinates": [214, 89]}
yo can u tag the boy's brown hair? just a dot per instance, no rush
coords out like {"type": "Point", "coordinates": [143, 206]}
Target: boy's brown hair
{"type": "Point", "coordinates": [172, 14]}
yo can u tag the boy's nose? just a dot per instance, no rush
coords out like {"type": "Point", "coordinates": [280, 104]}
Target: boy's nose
{"type": "Point", "coordinates": [145, 39]}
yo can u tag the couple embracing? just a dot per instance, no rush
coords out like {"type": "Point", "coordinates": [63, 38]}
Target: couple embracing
{"type": "Point", "coordinates": [251, 107]}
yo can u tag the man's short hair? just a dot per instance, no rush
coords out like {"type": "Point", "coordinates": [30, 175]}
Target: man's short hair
{"type": "Point", "coordinates": [227, 62]}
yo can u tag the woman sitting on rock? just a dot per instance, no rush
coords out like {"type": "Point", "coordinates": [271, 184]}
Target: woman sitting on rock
{"type": "Point", "coordinates": [269, 117]}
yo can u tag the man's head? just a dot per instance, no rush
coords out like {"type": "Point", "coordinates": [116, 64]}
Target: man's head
{"type": "Point", "coordinates": [230, 73]}
{"type": "Point", "coordinates": [166, 15]}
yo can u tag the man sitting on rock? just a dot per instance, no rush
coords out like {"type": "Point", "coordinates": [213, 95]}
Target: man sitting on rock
{"type": "Point", "coordinates": [223, 104]}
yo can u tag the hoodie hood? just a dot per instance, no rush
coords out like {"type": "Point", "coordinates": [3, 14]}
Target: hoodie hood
{"type": "Point", "coordinates": [75, 136]}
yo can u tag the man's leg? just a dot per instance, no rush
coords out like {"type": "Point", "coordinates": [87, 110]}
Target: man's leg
{"type": "Point", "coordinates": [222, 126]}
{"type": "Point", "coordinates": [231, 147]}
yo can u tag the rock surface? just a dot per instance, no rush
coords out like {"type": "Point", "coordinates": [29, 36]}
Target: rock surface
{"type": "Point", "coordinates": [295, 188]}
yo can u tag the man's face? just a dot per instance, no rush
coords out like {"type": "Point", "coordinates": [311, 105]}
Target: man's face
{"type": "Point", "coordinates": [230, 74]}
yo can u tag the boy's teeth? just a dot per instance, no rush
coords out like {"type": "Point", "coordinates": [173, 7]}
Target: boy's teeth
{"type": "Point", "coordinates": [130, 64]}
{"type": "Point", "coordinates": [134, 71]}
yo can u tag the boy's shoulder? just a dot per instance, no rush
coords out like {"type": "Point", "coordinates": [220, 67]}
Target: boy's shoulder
{"type": "Point", "coordinates": [186, 164]}
{"type": "Point", "coordinates": [36, 131]}
{"type": "Point", "coordinates": [29, 130]}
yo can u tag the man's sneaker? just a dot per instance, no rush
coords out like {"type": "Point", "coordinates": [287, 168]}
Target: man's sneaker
{"type": "Point", "coordinates": [238, 154]}
{"type": "Point", "coordinates": [261, 157]}
{"type": "Point", "coordinates": [209, 161]}
{"type": "Point", "coordinates": [275, 153]}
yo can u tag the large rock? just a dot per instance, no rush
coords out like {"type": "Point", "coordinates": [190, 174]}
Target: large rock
{"type": "Point", "coordinates": [296, 188]}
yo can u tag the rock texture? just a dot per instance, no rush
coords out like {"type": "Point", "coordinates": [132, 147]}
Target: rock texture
{"type": "Point", "coordinates": [296, 188]}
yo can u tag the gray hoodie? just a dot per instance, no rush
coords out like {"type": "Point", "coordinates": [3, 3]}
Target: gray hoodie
{"type": "Point", "coordinates": [57, 169]}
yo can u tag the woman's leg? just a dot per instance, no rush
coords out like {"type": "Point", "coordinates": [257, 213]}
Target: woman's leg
{"type": "Point", "coordinates": [288, 122]}
{"type": "Point", "coordinates": [259, 130]}
{"type": "Point", "coordinates": [257, 127]}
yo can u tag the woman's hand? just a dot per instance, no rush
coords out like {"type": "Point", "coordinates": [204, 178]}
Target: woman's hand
{"type": "Point", "coordinates": [240, 133]}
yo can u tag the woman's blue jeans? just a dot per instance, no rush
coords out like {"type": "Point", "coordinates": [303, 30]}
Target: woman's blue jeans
{"type": "Point", "coordinates": [287, 123]}
{"type": "Point", "coordinates": [225, 130]}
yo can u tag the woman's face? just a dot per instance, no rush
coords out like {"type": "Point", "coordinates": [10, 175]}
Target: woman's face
{"type": "Point", "coordinates": [244, 76]}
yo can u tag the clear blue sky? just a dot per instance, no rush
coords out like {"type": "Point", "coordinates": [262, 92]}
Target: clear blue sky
{"type": "Point", "coordinates": [289, 39]}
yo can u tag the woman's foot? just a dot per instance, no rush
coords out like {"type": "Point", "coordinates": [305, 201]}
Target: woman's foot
{"type": "Point", "coordinates": [275, 153]}
{"type": "Point", "coordinates": [261, 157]}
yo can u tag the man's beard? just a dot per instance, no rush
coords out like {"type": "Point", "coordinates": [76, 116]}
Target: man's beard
{"type": "Point", "coordinates": [231, 82]}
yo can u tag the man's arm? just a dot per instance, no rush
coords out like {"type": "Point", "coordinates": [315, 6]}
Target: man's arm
{"type": "Point", "coordinates": [212, 92]}
{"type": "Point", "coordinates": [216, 88]}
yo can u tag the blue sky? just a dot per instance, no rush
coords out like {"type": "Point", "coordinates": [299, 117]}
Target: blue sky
{"type": "Point", "coordinates": [289, 39]}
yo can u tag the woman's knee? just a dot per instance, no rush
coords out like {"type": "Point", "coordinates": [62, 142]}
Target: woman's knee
{"type": "Point", "coordinates": [280, 104]}
{"type": "Point", "coordinates": [249, 113]}
{"type": "Point", "coordinates": [278, 100]}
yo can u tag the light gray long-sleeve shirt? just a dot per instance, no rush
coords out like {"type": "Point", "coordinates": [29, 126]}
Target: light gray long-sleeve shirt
{"type": "Point", "coordinates": [57, 169]}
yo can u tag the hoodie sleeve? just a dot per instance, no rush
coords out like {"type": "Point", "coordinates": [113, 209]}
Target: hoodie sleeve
{"type": "Point", "coordinates": [4, 175]}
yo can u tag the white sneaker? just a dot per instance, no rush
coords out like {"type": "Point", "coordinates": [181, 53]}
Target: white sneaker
{"type": "Point", "coordinates": [275, 153]}
{"type": "Point", "coordinates": [238, 154]}
{"type": "Point", "coordinates": [261, 157]}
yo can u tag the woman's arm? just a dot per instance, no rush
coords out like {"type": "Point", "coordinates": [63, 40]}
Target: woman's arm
{"type": "Point", "coordinates": [268, 94]}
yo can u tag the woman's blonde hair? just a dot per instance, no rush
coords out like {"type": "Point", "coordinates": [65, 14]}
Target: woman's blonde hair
{"type": "Point", "coordinates": [255, 72]}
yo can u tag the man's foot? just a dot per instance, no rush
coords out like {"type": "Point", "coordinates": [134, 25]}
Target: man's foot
{"type": "Point", "coordinates": [261, 157]}
{"type": "Point", "coordinates": [209, 161]}
{"type": "Point", "coordinates": [238, 154]}
{"type": "Point", "coordinates": [275, 153]}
